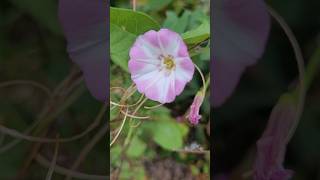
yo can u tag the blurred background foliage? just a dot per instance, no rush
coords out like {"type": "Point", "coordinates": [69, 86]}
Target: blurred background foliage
{"type": "Point", "coordinates": [150, 153]}
{"type": "Point", "coordinates": [235, 134]}
{"type": "Point", "coordinates": [32, 47]}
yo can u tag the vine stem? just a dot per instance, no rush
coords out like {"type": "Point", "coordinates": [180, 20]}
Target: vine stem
{"type": "Point", "coordinates": [126, 142]}
{"type": "Point", "coordinates": [130, 133]}
{"type": "Point", "coordinates": [312, 67]}
{"type": "Point", "coordinates": [45, 89]}
{"type": "Point", "coordinates": [300, 64]}
{"type": "Point", "coordinates": [54, 161]}
{"type": "Point", "coordinates": [84, 152]}
{"type": "Point", "coordinates": [202, 78]}
{"type": "Point", "coordinates": [64, 171]}
{"type": "Point", "coordinates": [49, 113]}
{"type": "Point", "coordinates": [24, 136]}
{"type": "Point", "coordinates": [121, 127]}
{"type": "Point", "coordinates": [134, 5]}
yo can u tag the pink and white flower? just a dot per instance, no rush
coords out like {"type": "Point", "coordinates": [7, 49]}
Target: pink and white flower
{"type": "Point", "coordinates": [160, 65]}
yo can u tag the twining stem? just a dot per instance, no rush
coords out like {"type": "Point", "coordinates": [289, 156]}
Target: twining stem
{"type": "Point", "coordinates": [300, 64]}
{"type": "Point", "coordinates": [84, 152]}
{"type": "Point", "coordinates": [126, 142]}
{"type": "Point", "coordinates": [45, 89]}
{"type": "Point", "coordinates": [133, 116]}
{"type": "Point", "coordinates": [21, 136]}
{"type": "Point", "coordinates": [204, 83]}
{"type": "Point", "coordinates": [64, 171]}
{"type": "Point", "coordinates": [50, 112]}
{"type": "Point", "coordinates": [312, 67]}
{"type": "Point", "coordinates": [53, 162]}
{"type": "Point", "coordinates": [153, 107]}
{"type": "Point", "coordinates": [130, 105]}
{"type": "Point", "coordinates": [130, 133]}
{"type": "Point", "coordinates": [119, 131]}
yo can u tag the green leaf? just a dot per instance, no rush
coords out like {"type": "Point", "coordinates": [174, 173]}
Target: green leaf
{"type": "Point", "coordinates": [205, 54]}
{"type": "Point", "coordinates": [197, 17]}
{"type": "Point", "coordinates": [136, 148]}
{"type": "Point", "coordinates": [157, 5]}
{"type": "Point", "coordinates": [167, 134]}
{"type": "Point", "coordinates": [197, 35]}
{"type": "Point", "coordinates": [114, 113]}
{"type": "Point", "coordinates": [175, 23]}
{"type": "Point", "coordinates": [43, 11]}
{"type": "Point", "coordinates": [132, 172]}
{"type": "Point", "coordinates": [115, 153]}
{"type": "Point", "coordinates": [132, 21]}
{"type": "Point", "coordinates": [163, 129]}
{"type": "Point", "coordinates": [184, 129]}
{"type": "Point", "coordinates": [120, 44]}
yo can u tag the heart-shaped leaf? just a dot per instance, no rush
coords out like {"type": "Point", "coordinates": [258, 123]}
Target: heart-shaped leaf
{"type": "Point", "coordinates": [131, 21]}
{"type": "Point", "coordinates": [120, 43]}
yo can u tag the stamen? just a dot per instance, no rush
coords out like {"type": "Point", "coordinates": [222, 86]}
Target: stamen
{"type": "Point", "coordinates": [168, 62]}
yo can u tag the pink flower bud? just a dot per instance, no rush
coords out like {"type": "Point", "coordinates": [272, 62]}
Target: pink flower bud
{"type": "Point", "coordinates": [271, 147]}
{"type": "Point", "coordinates": [194, 115]}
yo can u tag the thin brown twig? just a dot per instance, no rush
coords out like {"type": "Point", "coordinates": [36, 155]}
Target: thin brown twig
{"type": "Point", "coordinates": [19, 135]}
{"type": "Point", "coordinates": [45, 89]}
{"type": "Point", "coordinates": [300, 64]}
{"type": "Point", "coordinates": [84, 152]}
{"type": "Point", "coordinates": [48, 111]}
{"type": "Point", "coordinates": [120, 129]}
{"type": "Point", "coordinates": [54, 161]}
{"type": "Point", "coordinates": [64, 171]}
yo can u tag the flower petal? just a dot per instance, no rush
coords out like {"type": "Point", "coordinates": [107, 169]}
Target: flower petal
{"type": "Point", "coordinates": [172, 43]}
{"type": "Point", "coordinates": [146, 46]}
{"type": "Point", "coordinates": [271, 147]}
{"type": "Point", "coordinates": [241, 30]}
{"type": "Point", "coordinates": [140, 67]}
{"type": "Point", "coordinates": [184, 69]}
{"type": "Point", "coordinates": [84, 25]}
{"type": "Point", "coordinates": [148, 84]}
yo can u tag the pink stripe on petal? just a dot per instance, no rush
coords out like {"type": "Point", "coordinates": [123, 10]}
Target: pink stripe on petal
{"type": "Point", "coordinates": [185, 69]}
{"type": "Point", "coordinates": [171, 91]}
{"type": "Point", "coordinates": [137, 52]}
{"type": "Point", "coordinates": [147, 48]}
{"type": "Point", "coordinates": [152, 93]}
{"type": "Point", "coordinates": [179, 86]}
{"type": "Point", "coordinates": [170, 41]}
{"type": "Point", "coordinates": [183, 50]}
{"type": "Point", "coordinates": [187, 65]}
{"type": "Point", "coordinates": [135, 66]}
{"type": "Point", "coordinates": [166, 37]}
{"type": "Point", "coordinates": [152, 38]}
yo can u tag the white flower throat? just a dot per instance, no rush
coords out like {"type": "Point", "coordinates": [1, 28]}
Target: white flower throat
{"type": "Point", "coordinates": [167, 63]}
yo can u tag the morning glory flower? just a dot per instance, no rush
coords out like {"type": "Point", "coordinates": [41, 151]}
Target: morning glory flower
{"type": "Point", "coordinates": [240, 34]}
{"type": "Point", "coordinates": [84, 26]}
{"type": "Point", "coordinates": [160, 65]}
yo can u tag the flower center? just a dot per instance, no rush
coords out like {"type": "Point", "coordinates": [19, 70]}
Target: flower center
{"type": "Point", "coordinates": [168, 62]}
